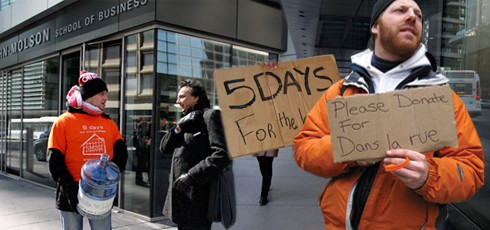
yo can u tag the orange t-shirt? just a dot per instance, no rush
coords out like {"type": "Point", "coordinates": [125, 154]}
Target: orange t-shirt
{"type": "Point", "coordinates": [81, 137]}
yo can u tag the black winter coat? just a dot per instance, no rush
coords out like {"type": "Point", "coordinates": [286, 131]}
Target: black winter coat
{"type": "Point", "coordinates": [200, 151]}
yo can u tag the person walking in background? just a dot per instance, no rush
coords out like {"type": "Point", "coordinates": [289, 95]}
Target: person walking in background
{"type": "Point", "coordinates": [70, 146]}
{"type": "Point", "coordinates": [146, 160]}
{"type": "Point", "coordinates": [265, 160]}
{"type": "Point", "coordinates": [199, 150]}
{"type": "Point", "coordinates": [163, 162]}
{"type": "Point", "coordinates": [142, 145]}
{"type": "Point", "coordinates": [165, 125]}
{"type": "Point", "coordinates": [361, 195]}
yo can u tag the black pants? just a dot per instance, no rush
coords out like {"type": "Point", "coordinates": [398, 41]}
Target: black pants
{"type": "Point", "coordinates": [201, 227]}
{"type": "Point", "coordinates": [142, 165]}
{"type": "Point", "coordinates": [265, 164]}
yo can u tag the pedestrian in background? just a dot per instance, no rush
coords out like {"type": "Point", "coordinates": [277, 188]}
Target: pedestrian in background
{"type": "Point", "coordinates": [75, 138]}
{"type": "Point", "coordinates": [361, 195]}
{"type": "Point", "coordinates": [265, 159]}
{"type": "Point", "coordinates": [163, 162]}
{"type": "Point", "coordinates": [199, 150]}
{"type": "Point", "coordinates": [142, 145]}
{"type": "Point", "coordinates": [165, 125]}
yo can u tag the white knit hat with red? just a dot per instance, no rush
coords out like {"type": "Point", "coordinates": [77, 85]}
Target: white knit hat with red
{"type": "Point", "coordinates": [90, 84]}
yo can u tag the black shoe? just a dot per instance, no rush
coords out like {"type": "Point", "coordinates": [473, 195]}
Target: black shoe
{"type": "Point", "coordinates": [142, 183]}
{"type": "Point", "coordinates": [263, 201]}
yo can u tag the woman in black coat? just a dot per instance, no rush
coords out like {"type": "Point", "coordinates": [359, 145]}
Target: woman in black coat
{"type": "Point", "coordinates": [199, 151]}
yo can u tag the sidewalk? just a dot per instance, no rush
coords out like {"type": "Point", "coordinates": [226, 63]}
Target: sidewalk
{"type": "Point", "coordinates": [292, 201]}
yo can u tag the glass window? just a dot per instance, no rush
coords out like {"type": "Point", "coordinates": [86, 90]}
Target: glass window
{"type": "Point", "coordinates": [185, 60]}
{"type": "Point", "coordinates": [31, 105]}
{"type": "Point", "coordinates": [139, 83]}
{"type": "Point", "coordinates": [162, 57]}
{"type": "Point", "coordinates": [147, 39]}
{"type": "Point", "coordinates": [462, 43]}
{"type": "Point", "coordinates": [112, 55]}
{"type": "Point", "coordinates": [162, 68]}
{"type": "Point", "coordinates": [172, 58]}
{"type": "Point", "coordinates": [92, 57]}
{"type": "Point", "coordinates": [172, 69]}
{"type": "Point", "coordinates": [171, 37]}
{"type": "Point", "coordinates": [6, 3]}
{"type": "Point", "coordinates": [178, 57]}
{"type": "Point", "coordinates": [172, 48]}
{"type": "Point", "coordinates": [197, 52]}
{"type": "Point", "coordinates": [462, 88]}
{"type": "Point", "coordinates": [184, 40]}
{"type": "Point", "coordinates": [131, 60]}
{"type": "Point", "coordinates": [185, 50]}
{"type": "Point", "coordinates": [244, 56]}
{"type": "Point", "coordinates": [162, 46]}
{"type": "Point", "coordinates": [146, 60]}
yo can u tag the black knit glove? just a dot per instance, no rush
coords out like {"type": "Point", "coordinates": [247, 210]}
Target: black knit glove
{"type": "Point", "coordinates": [183, 183]}
{"type": "Point", "coordinates": [70, 191]}
{"type": "Point", "coordinates": [190, 120]}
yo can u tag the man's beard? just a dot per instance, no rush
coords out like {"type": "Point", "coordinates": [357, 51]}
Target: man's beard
{"type": "Point", "coordinates": [394, 44]}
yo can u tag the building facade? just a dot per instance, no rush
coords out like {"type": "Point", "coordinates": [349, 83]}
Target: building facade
{"type": "Point", "coordinates": [142, 49]}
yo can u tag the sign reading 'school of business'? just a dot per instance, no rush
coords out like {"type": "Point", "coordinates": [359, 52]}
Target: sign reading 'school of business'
{"type": "Point", "coordinates": [264, 109]}
{"type": "Point", "coordinates": [364, 127]}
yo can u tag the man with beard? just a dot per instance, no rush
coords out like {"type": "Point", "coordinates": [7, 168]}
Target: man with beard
{"type": "Point", "coordinates": [361, 195]}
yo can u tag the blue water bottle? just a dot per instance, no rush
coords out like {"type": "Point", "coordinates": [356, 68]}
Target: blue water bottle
{"type": "Point", "coordinates": [98, 187]}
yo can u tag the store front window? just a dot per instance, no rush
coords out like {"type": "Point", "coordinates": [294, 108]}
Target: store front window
{"type": "Point", "coordinates": [156, 61]}
{"type": "Point", "coordinates": [40, 100]}
{"type": "Point", "coordinates": [28, 107]}
{"type": "Point", "coordinates": [457, 35]}
{"type": "Point", "coordinates": [13, 110]}
{"type": "Point", "coordinates": [139, 78]}
{"type": "Point", "coordinates": [105, 60]}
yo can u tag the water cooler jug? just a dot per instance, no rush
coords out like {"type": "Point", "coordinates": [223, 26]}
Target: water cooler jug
{"type": "Point", "coordinates": [98, 187]}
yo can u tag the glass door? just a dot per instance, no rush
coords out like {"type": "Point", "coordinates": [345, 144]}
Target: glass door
{"type": "Point", "coordinates": [15, 129]}
{"type": "Point", "coordinates": [3, 120]}
{"type": "Point", "coordinates": [40, 109]}
{"type": "Point", "coordinates": [138, 94]}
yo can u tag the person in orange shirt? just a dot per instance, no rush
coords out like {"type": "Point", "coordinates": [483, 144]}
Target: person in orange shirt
{"type": "Point", "coordinates": [82, 133]}
{"type": "Point", "coordinates": [361, 194]}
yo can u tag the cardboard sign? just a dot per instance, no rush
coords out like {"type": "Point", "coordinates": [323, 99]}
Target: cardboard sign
{"type": "Point", "coordinates": [364, 127]}
{"type": "Point", "coordinates": [264, 109]}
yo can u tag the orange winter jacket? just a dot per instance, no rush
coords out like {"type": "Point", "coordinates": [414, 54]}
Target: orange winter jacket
{"type": "Point", "coordinates": [455, 174]}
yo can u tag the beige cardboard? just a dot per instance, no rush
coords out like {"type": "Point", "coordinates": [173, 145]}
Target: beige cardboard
{"type": "Point", "coordinates": [364, 127]}
{"type": "Point", "coordinates": [264, 109]}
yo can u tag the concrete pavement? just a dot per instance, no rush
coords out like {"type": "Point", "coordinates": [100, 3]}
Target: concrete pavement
{"type": "Point", "coordinates": [293, 201]}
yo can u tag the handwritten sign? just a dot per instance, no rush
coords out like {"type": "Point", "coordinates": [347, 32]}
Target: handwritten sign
{"type": "Point", "coordinates": [264, 109]}
{"type": "Point", "coordinates": [364, 127]}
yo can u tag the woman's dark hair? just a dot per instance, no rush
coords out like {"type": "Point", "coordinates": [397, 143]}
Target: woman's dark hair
{"type": "Point", "coordinates": [196, 89]}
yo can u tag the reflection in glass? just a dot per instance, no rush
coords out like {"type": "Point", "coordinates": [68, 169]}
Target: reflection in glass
{"type": "Point", "coordinates": [14, 141]}
{"type": "Point", "coordinates": [139, 84]}
{"type": "Point", "coordinates": [39, 117]}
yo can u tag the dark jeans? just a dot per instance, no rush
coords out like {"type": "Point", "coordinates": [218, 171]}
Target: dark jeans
{"type": "Point", "coordinates": [265, 164]}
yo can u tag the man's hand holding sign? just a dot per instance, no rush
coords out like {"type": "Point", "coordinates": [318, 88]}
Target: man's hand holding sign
{"type": "Point", "coordinates": [264, 106]}
{"type": "Point", "coordinates": [418, 122]}
{"type": "Point", "coordinates": [397, 126]}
